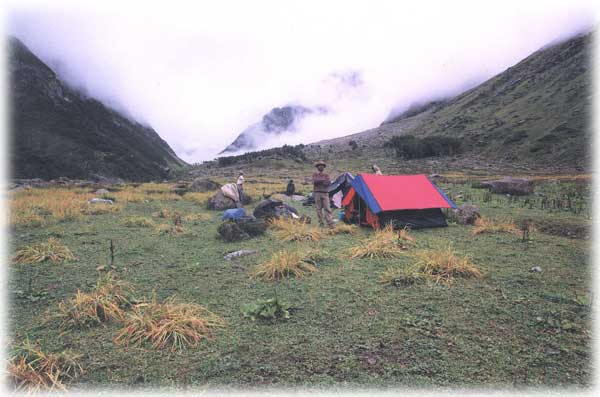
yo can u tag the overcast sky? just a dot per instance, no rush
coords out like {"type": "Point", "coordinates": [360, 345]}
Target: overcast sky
{"type": "Point", "coordinates": [200, 75]}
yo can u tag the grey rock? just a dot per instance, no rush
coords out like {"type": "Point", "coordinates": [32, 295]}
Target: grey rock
{"type": "Point", "coordinates": [536, 269]}
{"type": "Point", "coordinates": [203, 185]}
{"type": "Point", "coordinates": [467, 214]}
{"type": "Point", "coordinates": [101, 192]}
{"type": "Point", "coordinates": [97, 200]}
{"type": "Point", "coordinates": [509, 185]}
{"type": "Point", "coordinates": [238, 254]}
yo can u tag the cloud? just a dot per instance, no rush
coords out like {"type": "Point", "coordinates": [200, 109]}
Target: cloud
{"type": "Point", "coordinates": [200, 76]}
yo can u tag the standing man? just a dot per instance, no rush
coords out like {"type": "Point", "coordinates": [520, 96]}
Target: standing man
{"type": "Point", "coordinates": [291, 189]}
{"type": "Point", "coordinates": [321, 184]}
{"type": "Point", "coordinates": [240, 187]}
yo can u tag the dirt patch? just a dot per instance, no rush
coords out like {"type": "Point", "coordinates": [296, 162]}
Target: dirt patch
{"type": "Point", "coordinates": [561, 228]}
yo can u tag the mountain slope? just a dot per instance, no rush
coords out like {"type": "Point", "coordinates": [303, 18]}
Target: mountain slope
{"type": "Point", "coordinates": [57, 131]}
{"type": "Point", "coordinates": [536, 111]}
{"type": "Point", "coordinates": [277, 121]}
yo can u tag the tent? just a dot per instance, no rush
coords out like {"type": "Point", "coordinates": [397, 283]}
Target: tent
{"type": "Point", "coordinates": [339, 188]}
{"type": "Point", "coordinates": [402, 200]}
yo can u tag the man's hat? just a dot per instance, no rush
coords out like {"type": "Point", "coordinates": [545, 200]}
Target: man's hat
{"type": "Point", "coordinates": [320, 162]}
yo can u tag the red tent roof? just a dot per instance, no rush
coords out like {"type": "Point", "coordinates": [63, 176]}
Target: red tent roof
{"type": "Point", "coordinates": [404, 192]}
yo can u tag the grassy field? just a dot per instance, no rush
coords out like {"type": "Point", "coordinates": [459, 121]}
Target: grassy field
{"type": "Point", "coordinates": [509, 328]}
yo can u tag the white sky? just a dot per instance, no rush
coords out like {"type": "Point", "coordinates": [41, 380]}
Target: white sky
{"type": "Point", "coordinates": [199, 75]}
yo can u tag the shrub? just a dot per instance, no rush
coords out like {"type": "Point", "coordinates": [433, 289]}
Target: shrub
{"type": "Point", "coordinates": [52, 250]}
{"type": "Point", "coordinates": [266, 309]}
{"type": "Point", "coordinates": [286, 151]}
{"type": "Point", "coordinates": [284, 264]}
{"type": "Point", "coordinates": [169, 324]}
{"type": "Point", "coordinates": [411, 147]}
{"type": "Point", "coordinates": [31, 370]}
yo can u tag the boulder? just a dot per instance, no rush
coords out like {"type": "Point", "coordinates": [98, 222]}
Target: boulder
{"type": "Point", "coordinates": [280, 197]}
{"type": "Point", "coordinates": [252, 226]}
{"type": "Point", "coordinates": [100, 192]}
{"type": "Point", "coordinates": [509, 185]}
{"type": "Point", "coordinates": [242, 228]}
{"type": "Point", "coordinates": [231, 231]}
{"type": "Point", "coordinates": [203, 185]}
{"type": "Point", "coordinates": [220, 203]}
{"type": "Point", "coordinates": [97, 200]}
{"type": "Point", "coordinates": [271, 208]}
{"type": "Point", "coordinates": [180, 188]}
{"type": "Point", "coordinates": [467, 214]}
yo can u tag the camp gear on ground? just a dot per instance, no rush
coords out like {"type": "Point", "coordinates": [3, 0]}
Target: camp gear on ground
{"type": "Point", "coordinates": [323, 208]}
{"type": "Point", "coordinates": [400, 200]}
{"type": "Point", "coordinates": [231, 190]}
{"type": "Point", "coordinates": [236, 213]}
{"type": "Point", "coordinates": [271, 208]}
{"type": "Point", "coordinates": [321, 182]}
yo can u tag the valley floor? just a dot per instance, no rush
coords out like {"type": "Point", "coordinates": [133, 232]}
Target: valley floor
{"type": "Point", "coordinates": [512, 328]}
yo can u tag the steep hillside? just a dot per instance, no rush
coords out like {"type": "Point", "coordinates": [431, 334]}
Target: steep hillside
{"type": "Point", "coordinates": [536, 112]}
{"type": "Point", "coordinates": [57, 131]}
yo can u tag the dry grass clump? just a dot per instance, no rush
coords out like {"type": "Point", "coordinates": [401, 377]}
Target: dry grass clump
{"type": "Point", "coordinates": [138, 221]}
{"type": "Point", "coordinates": [343, 228]}
{"type": "Point", "coordinates": [198, 197]}
{"type": "Point", "coordinates": [31, 370]}
{"type": "Point", "coordinates": [163, 197]}
{"type": "Point", "coordinates": [129, 195]}
{"type": "Point", "coordinates": [169, 324]}
{"type": "Point", "coordinates": [106, 302]}
{"type": "Point", "coordinates": [100, 208]}
{"type": "Point", "coordinates": [154, 188]}
{"type": "Point", "coordinates": [397, 275]}
{"type": "Point", "coordinates": [53, 250]}
{"type": "Point", "coordinates": [166, 213]}
{"type": "Point", "coordinates": [35, 207]}
{"type": "Point", "coordinates": [197, 218]}
{"type": "Point", "coordinates": [284, 264]}
{"type": "Point", "coordinates": [384, 243]}
{"type": "Point", "coordinates": [294, 230]}
{"type": "Point", "coordinates": [442, 265]}
{"type": "Point", "coordinates": [436, 265]}
{"type": "Point", "coordinates": [483, 225]}
{"type": "Point", "coordinates": [170, 230]}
